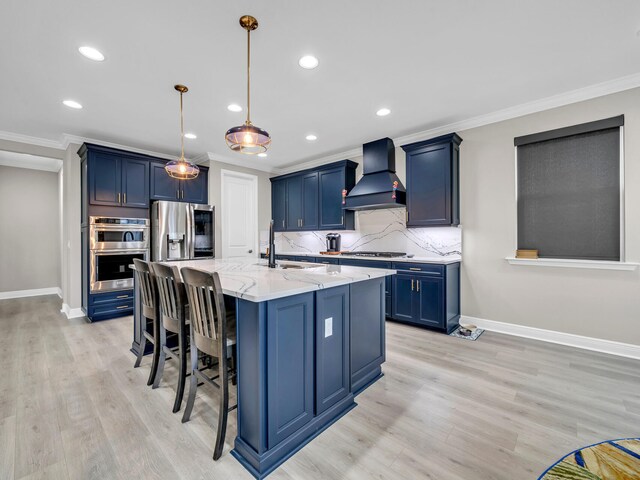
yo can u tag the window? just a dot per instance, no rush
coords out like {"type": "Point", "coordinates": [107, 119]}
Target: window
{"type": "Point", "coordinates": [569, 191]}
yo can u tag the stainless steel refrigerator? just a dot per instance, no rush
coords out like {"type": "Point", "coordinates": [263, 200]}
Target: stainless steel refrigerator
{"type": "Point", "coordinates": [182, 231]}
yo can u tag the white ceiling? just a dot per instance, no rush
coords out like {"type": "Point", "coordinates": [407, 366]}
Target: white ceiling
{"type": "Point", "coordinates": [34, 162]}
{"type": "Point", "coordinates": [432, 63]}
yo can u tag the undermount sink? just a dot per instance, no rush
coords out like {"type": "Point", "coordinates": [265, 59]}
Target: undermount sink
{"type": "Point", "coordinates": [295, 266]}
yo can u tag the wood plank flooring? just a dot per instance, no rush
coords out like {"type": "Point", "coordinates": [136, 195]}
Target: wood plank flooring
{"type": "Point", "coordinates": [73, 407]}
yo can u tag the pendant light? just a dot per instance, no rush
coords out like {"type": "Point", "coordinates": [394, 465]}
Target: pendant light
{"type": "Point", "coordinates": [248, 138]}
{"type": "Point", "coordinates": [182, 168]}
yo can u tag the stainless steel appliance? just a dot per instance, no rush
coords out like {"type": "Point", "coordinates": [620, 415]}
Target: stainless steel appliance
{"type": "Point", "coordinates": [182, 231]}
{"type": "Point", "coordinates": [333, 242]}
{"type": "Point", "coordinates": [113, 244]}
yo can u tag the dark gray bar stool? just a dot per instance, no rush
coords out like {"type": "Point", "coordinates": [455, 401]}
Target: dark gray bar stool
{"type": "Point", "coordinates": [149, 314]}
{"type": "Point", "coordinates": [173, 319]}
{"type": "Point", "coordinates": [213, 333]}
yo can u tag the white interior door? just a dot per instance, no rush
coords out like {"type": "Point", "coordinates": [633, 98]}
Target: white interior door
{"type": "Point", "coordinates": [239, 210]}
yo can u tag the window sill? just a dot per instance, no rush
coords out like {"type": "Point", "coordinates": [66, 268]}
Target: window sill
{"type": "Point", "coordinates": [570, 263]}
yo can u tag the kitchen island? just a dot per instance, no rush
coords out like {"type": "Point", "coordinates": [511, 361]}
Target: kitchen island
{"type": "Point", "coordinates": [310, 337]}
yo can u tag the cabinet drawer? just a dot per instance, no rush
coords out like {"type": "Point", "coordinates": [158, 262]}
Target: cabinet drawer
{"type": "Point", "coordinates": [119, 296]}
{"type": "Point", "coordinates": [124, 307]}
{"type": "Point", "coordinates": [427, 268]}
{"type": "Point", "coordinates": [303, 259]}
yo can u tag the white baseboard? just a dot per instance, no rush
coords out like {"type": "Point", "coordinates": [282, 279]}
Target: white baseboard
{"type": "Point", "coordinates": [72, 312]}
{"type": "Point", "coordinates": [31, 293]}
{"type": "Point", "coordinates": [578, 341]}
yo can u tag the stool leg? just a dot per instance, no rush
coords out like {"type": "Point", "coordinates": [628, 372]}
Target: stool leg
{"type": "Point", "coordinates": [156, 352]}
{"type": "Point", "coordinates": [193, 383]}
{"type": "Point", "coordinates": [162, 356]}
{"type": "Point", "coordinates": [182, 374]}
{"type": "Point", "coordinates": [223, 411]}
{"type": "Point", "coordinates": [143, 342]}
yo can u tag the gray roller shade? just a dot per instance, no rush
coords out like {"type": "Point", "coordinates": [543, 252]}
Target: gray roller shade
{"type": "Point", "coordinates": [569, 196]}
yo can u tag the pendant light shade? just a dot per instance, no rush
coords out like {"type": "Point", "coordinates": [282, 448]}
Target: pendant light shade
{"type": "Point", "coordinates": [182, 168]}
{"type": "Point", "coordinates": [248, 138]}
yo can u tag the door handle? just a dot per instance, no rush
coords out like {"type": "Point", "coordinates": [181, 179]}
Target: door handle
{"type": "Point", "coordinates": [182, 195]}
{"type": "Point", "coordinates": [118, 197]}
{"type": "Point", "coordinates": [125, 197]}
{"type": "Point", "coordinates": [283, 223]}
{"type": "Point", "coordinates": [250, 251]}
{"type": "Point", "coordinates": [412, 284]}
{"type": "Point", "coordinates": [122, 306]}
{"type": "Point", "coordinates": [417, 285]}
{"type": "Point", "coordinates": [178, 194]}
{"type": "Point", "coordinates": [415, 269]}
{"type": "Point", "coordinates": [122, 296]}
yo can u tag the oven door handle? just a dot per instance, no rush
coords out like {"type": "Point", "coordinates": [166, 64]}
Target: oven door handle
{"type": "Point", "coordinates": [132, 251]}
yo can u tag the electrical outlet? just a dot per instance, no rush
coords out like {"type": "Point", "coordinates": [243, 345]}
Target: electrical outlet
{"type": "Point", "coordinates": [328, 327]}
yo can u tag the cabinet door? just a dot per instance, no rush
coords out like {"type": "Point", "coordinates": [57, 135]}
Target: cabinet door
{"type": "Point", "coordinates": [402, 302]}
{"type": "Point", "coordinates": [430, 305]}
{"type": "Point", "coordinates": [135, 183]}
{"type": "Point", "coordinates": [429, 186]}
{"type": "Point", "coordinates": [310, 201]}
{"type": "Point", "coordinates": [279, 205]}
{"type": "Point", "coordinates": [331, 184]}
{"type": "Point", "coordinates": [332, 347]}
{"type": "Point", "coordinates": [162, 186]}
{"type": "Point", "coordinates": [290, 376]}
{"type": "Point", "coordinates": [294, 203]}
{"type": "Point", "coordinates": [104, 179]}
{"type": "Point", "coordinates": [196, 189]}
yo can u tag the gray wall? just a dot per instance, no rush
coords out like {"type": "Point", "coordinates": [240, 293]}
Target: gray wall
{"type": "Point", "coordinates": [264, 196]}
{"type": "Point", "coordinates": [594, 303]}
{"type": "Point", "coordinates": [29, 229]}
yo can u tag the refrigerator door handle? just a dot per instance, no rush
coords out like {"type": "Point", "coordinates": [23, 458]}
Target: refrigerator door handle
{"type": "Point", "coordinates": [191, 234]}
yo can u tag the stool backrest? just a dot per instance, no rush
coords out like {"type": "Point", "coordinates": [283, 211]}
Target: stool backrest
{"type": "Point", "coordinates": [146, 287]}
{"type": "Point", "coordinates": [171, 296]}
{"type": "Point", "coordinates": [206, 303]}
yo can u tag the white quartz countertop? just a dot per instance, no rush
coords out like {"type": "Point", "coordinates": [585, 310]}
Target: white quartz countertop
{"type": "Point", "coordinates": [251, 279]}
{"type": "Point", "coordinates": [437, 260]}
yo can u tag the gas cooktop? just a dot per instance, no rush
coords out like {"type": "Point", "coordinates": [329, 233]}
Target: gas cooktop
{"type": "Point", "coordinates": [378, 254]}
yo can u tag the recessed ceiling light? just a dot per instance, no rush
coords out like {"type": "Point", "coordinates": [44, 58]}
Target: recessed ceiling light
{"type": "Point", "coordinates": [91, 53]}
{"type": "Point", "coordinates": [72, 104]}
{"type": "Point", "coordinates": [311, 137]}
{"type": "Point", "coordinates": [190, 136]}
{"type": "Point", "coordinates": [234, 107]}
{"type": "Point", "coordinates": [308, 62]}
{"type": "Point", "coordinates": [262, 154]}
{"type": "Point", "coordinates": [383, 112]}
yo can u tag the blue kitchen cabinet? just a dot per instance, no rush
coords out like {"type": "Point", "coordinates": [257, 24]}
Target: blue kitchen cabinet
{"type": "Point", "coordinates": [433, 182]}
{"type": "Point", "coordinates": [279, 205]}
{"type": "Point", "coordinates": [331, 184]}
{"type": "Point", "coordinates": [427, 295]}
{"type": "Point", "coordinates": [312, 199]}
{"type": "Point", "coordinates": [333, 382]}
{"type": "Point", "coordinates": [105, 179]}
{"type": "Point", "coordinates": [135, 183]}
{"type": "Point", "coordinates": [162, 186]}
{"type": "Point", "coordinates": [290, 356]}
{"type": "Point", "coordinates": [388, 282]}
{"type": "Point", "coordinates": [116, 178]}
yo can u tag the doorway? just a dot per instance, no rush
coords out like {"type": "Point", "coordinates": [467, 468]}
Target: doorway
{"type": "Point", "coordinates": [239, 214]}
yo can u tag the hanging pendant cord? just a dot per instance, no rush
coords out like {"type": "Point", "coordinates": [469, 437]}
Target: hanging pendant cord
{"type": "Point", "coordinates": [248, 77]}
{"type": "Point", "coordinates": [181, 130]}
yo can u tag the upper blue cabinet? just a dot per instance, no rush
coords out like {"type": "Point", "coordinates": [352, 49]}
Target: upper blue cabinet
{"type": "Point", "coordinates": [115, 178]}
{"type": "Point", "coordinates": [164, 187]}
{"type": "Point", "coordinates": [433, 189]}
{"type": "Point", "coordinates": [312, 199]}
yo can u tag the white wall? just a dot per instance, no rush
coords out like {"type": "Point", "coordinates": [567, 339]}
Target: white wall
{"type": "Point", "coordinates": [29, 229]}
{"type": "Point", "coordinates": [71, 251]}
{"type": "Point", "coordinates": [594, 303]}
{"type": "Point", "coordinates": [264, 196]}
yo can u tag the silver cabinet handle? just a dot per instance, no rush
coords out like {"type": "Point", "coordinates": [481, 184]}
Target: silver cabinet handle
{"type": "Point", "coordinates": [125, 197]}
{"type": "Point", "coordinates": [118, 197]}
{"type": "Point", "coordinates": [283, 223]}
{"type": "Point", "coordinates": [178, 194]}
{"type": "Point", "coordinates": [412, 284]}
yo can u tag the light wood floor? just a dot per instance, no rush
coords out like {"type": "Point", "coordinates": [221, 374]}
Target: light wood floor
{"type": "Point", "coordinates": [72, 406]}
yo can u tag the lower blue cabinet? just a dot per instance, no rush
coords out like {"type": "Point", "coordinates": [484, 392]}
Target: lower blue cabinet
{"type": "Point", "coordinates": [290, 374]}
{"type": "Point", "coordinates": [332, 347]}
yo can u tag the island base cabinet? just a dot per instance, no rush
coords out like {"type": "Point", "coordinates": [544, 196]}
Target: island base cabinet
{"type": "Point", "coordinates": [367, 332]}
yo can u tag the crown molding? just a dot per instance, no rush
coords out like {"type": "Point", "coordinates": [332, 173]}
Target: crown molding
{"type": "Point", "coordinates": [68, 139]}
{"type": "Point", "coordinates": [40, 142]}
{"type": "Point", "coordinates": [294, 167]}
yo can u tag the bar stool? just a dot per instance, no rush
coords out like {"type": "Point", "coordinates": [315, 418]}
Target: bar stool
{"type": "Point", "coordinates": [149, 315]}
{"type": "Point", "coordinates": [173, 316]}
{"type": "Point", "coordinates": [213, 333]}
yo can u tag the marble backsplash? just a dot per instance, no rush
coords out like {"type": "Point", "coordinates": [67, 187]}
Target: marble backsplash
{"type": "Point", "coordinates": [377, 230]}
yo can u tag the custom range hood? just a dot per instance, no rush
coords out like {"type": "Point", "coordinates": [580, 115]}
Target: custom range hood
{"type": "Point", "coordinates": [379, 186]}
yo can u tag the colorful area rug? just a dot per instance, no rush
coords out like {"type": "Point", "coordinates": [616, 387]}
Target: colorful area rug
{"type": "Point", "coordinates": [610, 460]}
